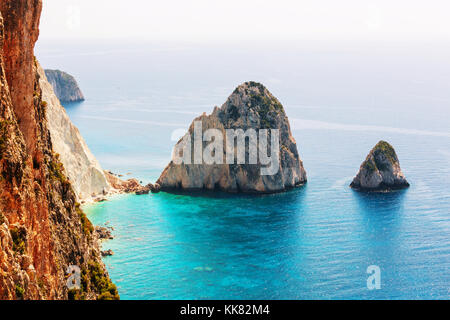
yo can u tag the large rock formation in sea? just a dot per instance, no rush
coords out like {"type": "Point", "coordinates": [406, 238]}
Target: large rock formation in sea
{"type": "Point", "coordinates": [81, 167]}
{"type": "Point", "coordinates": [380, 171]}
{"type": "Point", "coordinates": [43, 230]}
{"type": "Point", "coordinates": [65, 86]}
{"type": "Point", "coordinates": [251, 106]}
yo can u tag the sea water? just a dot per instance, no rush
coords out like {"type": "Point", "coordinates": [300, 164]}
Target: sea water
{"type": "Point", "coordinates": [315, 242]}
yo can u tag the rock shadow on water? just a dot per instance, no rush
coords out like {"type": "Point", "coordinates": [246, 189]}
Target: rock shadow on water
{"type": "Point", "coordinates": [382, 212]}
{"type": "Point", "coordinates": [217, 194]}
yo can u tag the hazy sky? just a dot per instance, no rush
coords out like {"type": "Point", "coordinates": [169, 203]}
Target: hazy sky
{"type": "Point", "coordinates": [208, 20]}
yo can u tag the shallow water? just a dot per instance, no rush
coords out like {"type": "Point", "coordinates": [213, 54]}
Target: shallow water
{"type": "Point", "coordinates": [313, 242]}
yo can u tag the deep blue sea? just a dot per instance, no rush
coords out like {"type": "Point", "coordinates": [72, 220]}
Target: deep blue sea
{"type": "Point", "coordinates": [315, 242]}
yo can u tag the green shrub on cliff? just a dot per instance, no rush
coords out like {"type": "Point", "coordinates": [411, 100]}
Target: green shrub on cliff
{"type": "Point", "coordinates": [373, 163]}
{"type": "Point", "coordinates": [88, 228]}
{"type": "Point", "coordinates": [75, 294]}
{"type": "Point", "coordinates": [386, 149]}
{"type": "Point", "coordinates": [19, 291]}
{"type": "Point", "coordinates": [94, 276]}
{"type": "Point", "coordinates": [19, 237]}
{"type": "Point", "coordinates": [56, 169]}
{"type": "Point", "coordinates": [110, 293]}
{"type": "Point", "coordinates": [370, 165]}
{"type": "Point", "coordinates": [268, 108]}
{"type": "Point", "coordinates": [3, 136]}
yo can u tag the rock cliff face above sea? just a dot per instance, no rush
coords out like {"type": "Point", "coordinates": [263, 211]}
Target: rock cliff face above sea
{"type": "Point", "coordinates": [251, 106]}
{"type": "Point", "coordinates": [64, 85]}
{"type": "Point", "coordinates": [380, 171]}
{"type": "Point", "coordinates": [82, 168]}
{"type": "Point", "coordinates": [43, 230]}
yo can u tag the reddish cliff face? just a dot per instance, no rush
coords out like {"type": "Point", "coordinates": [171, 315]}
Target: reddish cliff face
{"type": "Point", "coordinates": [21, 31]}
{"type": "Point", "coordinates": [42, 229]}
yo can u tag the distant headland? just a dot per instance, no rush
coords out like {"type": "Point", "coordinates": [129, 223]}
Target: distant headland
{"type": "Point", "coordinates": [64, 85]}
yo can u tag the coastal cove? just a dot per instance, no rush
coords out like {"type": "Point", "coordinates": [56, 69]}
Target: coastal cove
{"type": "Point", "coordinates": [313, 242]}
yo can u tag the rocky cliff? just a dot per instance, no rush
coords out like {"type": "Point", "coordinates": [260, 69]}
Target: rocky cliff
{"type": "Point", "coordinates": [81, 167]}
{"type": "Point", "coordinates": [64, 85]}
{"type": "Point", "coordinates": [380, 171]}
{"type": "Point", "coordinates": [250, 107]}
{"type": "Point", "coordinates": [43, 231]}
{"type": "Point", "coordinates": [130, 186]}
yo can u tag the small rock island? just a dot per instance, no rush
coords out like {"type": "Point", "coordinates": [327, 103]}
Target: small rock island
{"type": "Point", "coordinates": [64, 85]}
{"type": "Point", "coordinates": [380, 171]}
{"type": "Point", "coordinates": [250, 107]}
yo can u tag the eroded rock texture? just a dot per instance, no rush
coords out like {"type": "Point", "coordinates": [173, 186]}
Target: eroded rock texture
{"type": "Point", "coordinates": [42, 229]}
{"type": "Point", "coordinates": [81, 167]}
{"type": "Point", "coordinates": [251, 106]}
{"type": "Point", "coordinates": [65, 86]}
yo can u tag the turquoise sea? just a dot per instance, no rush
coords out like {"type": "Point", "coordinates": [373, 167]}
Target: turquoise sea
{"type": "Point", "coordinates": [314, 242]}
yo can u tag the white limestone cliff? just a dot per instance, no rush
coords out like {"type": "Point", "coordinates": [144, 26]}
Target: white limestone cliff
{"type": "Point", "coordinates": [82, 168]}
